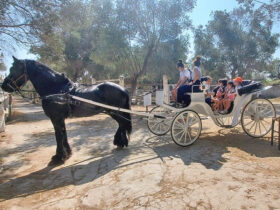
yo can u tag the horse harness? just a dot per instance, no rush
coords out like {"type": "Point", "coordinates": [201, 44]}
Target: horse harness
{"type": "Point", "coordinates": [14, 81]}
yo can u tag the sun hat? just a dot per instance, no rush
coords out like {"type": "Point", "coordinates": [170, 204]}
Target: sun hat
{"type": "Point", "coordinates": [238, 79]}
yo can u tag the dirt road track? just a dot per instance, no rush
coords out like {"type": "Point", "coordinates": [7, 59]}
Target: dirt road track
{"type": "Point", "coordinates": [224, 169]}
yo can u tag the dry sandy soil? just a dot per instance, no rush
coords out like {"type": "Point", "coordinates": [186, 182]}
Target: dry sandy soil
{"type": "Point", "coordinates": [224, 169]}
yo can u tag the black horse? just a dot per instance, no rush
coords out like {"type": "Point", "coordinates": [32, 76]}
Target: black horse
{"type": "Point", "coordinates": [48, 82]}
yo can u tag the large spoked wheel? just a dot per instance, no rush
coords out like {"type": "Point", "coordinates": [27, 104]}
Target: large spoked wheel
{"type": "Point", "coordinates": [186, 128]}
{"type": "Point", "coordinates": [159, 126]}
{"type": "Point", "coordinates": [257, 116]}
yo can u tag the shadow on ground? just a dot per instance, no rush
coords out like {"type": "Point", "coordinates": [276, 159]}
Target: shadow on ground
{"type": "Point", "coordinates": [209, 151]}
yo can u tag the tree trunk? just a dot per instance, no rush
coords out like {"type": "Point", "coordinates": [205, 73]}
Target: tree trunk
{"type": "Point", "coordinates": [134, 79]}
{"type": "Point", "coordinates": [233, 75]}
{"type": "Point", "coordinates": [133, 87]}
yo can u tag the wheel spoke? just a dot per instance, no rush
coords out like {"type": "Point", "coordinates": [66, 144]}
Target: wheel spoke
{"type": "Point", "coordinates": [179, 132]}
{"type": "Point", "coordinates": [252, 126]}
{"type": "Point", "coordinates": [181, 136]}
{"type": "Point", "coordinates": [249, 123]}
{"type": "Point", "coordinates": [189, 135]}
{"type": "Point", "coordinates": [263, 126]}
{"type": "Point", "coordinates": [260, 128]}
{"type": "Point", "coordinates": [256, 128]}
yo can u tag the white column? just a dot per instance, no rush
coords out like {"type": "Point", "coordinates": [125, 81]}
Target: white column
{"type": "Point", "coordinates": [165, 89]}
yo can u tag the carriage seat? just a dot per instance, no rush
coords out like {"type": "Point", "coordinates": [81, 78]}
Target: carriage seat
{"type": "Point", "coordinates": [246, 82]}
{"type": "Point", "coordinates": [250, 87]}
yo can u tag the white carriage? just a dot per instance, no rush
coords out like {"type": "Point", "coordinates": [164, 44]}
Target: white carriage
{"type": "Point", "coordinates": [254, 113]}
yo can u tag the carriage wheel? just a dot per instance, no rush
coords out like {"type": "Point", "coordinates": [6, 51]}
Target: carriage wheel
{"type": "Point", "coordinates": [186, 128]}
{"type": "Point", "coordinates": [257, 116]}
{"type": "Point", "coordinates": [160, 126]}
{"type": "Point", "coordinates": [225, 121]}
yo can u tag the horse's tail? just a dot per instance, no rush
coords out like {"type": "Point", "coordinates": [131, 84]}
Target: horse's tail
{"type": "Point", "coordinates": [128, 126]}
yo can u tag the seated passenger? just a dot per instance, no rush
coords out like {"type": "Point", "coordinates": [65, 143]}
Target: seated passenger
{"type": "Point", "coordinates": [193, 86]}
{"type": "Point", "coordinates": [238, 82]}
{"type": "Point", "coordinates": [230, 95]}
{"type": "Point", "coordinates": [219, 96]}
{"type": "Point", "coordinates": [185, 77]}
{"type": "Point", "coordinates": [209, 94]}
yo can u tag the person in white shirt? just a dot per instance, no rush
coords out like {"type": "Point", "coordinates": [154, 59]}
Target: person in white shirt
{"type": "Point", "coordinates": [184, 78]}
{"type": "Point", "coordinates": [193, 86]}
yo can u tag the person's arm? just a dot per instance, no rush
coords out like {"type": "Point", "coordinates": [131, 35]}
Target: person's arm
{"type": "Point", "coordinates": [183, 81]}
{"type": "Point", "coordinates": [178, 84]}
{"type": "Point", "coordinates": [196, 75]}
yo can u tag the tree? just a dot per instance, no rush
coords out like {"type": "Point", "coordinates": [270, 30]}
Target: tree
{"type": "Point", "coordinates": [268, 9]}
{"type": "Point", "coordinates": [21, 20]}
{"type": "Point", "coordinates": [105, 38]}
{"type": "Point", "coordinates": [236, 43]}
{"type": "Point", "coordinates": [147, 24]}
{"type": "Point", "coordinates": [75, 40]}
{"type": "Point", "coordinates": [274, 69]}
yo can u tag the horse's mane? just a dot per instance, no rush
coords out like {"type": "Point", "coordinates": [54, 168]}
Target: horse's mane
{"type": "Point", "coordinates": [55, 76]}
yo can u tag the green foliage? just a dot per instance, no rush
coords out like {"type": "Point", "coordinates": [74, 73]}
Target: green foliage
{"type": "Point", "coordinates": [21, 21]}
{"type": "Point", "coordinates": [236, 43]}
{"type": "Point", "coordinates": [105, 39]}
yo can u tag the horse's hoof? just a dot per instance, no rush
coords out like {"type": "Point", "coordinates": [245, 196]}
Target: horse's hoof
{"type": "Point", "coordinates": [55, 161]}
{"type": "Point", "coordinates": [119, 147]}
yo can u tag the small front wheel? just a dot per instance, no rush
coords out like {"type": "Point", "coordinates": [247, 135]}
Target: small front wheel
{"type": "Point", "coordinates": [186, 128]}
{"type": "Point", "coordinates": [256, 118]}
{"type": "Point", "coordinates": [159, 126]}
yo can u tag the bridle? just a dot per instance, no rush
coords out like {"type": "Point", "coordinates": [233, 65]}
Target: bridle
{"type": "Point", "coordinates": [14, 81]}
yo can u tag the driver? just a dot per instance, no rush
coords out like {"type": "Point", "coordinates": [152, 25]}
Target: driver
{"type": "Point", "coordinates": [192, 86]}
{"type": "Point", "coordinates": [185, 76]}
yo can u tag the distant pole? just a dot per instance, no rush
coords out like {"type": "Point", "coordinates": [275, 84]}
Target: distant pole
{"type": "Point", "coordinates": [165, 89]}
{"type": "Point", "coordinates": [121, 81]}
{"type": "Point", "coordinates": [93, 81]}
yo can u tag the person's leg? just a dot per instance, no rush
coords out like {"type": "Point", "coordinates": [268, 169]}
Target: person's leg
{"type": "Point", "coordinates": [196, 87]}
{"type": "Point", "coordinates": [228, 104]}
{"type": "Point", "coordinates": [181, 93]}
{"type": "Point", "coordinates": [221, 105]}
{"type": "Point", "coordinates": [173, 95]}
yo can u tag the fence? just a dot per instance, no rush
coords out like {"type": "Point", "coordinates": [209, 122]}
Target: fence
{"type": "Point", "coordinates": [160, 92]}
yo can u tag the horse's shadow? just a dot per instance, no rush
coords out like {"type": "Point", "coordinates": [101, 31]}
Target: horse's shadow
{"type": "Point", "coordinates": [50, 178]}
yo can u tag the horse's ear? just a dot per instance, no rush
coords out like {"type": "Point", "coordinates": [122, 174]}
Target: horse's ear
{"type": "Point", "coordinates": [15, 59]}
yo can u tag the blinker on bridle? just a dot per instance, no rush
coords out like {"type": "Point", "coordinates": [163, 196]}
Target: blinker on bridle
{"type": "Point", "coordinates": [14, 81]}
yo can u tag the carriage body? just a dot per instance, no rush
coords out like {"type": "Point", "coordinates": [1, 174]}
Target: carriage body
{"type": "Point", "coordinates": [185, 123]}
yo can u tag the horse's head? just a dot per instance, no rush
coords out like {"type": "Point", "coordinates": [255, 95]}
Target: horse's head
{"type": "Point", "coordinates": [17, 77]}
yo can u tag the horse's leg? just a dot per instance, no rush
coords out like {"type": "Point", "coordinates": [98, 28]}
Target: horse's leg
{"type": "Point", "coordinates": [120, 138]}
{"type": "Point", "coordinates": [63, 150]}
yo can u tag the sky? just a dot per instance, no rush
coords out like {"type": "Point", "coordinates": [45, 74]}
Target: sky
{"type": "Point", "coordinates": [200, 16]}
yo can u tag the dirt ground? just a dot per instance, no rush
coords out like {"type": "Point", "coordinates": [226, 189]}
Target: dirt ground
{"type": "Point", "coordinates": [224, 169]}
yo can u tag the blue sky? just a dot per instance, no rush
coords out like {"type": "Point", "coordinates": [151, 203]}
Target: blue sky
{"type": "Point", "coordinates": [200, 16]}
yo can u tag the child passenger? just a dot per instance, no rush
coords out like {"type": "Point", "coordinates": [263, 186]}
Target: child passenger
{"type": "Point", "coordinates": [230, 95]}
{"type": "Point", "coordinates": [219, 96]}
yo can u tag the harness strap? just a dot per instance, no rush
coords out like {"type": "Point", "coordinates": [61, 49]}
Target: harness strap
{"type": "Point", "coordinates": [17, 88]}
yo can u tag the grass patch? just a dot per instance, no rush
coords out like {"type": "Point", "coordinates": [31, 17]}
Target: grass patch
{"type": "Point", "coordinates": [272, 82]}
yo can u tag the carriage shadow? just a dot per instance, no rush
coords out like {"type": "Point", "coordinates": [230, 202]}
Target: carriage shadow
{"type": "Point", "coordinates": [213, 151]}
